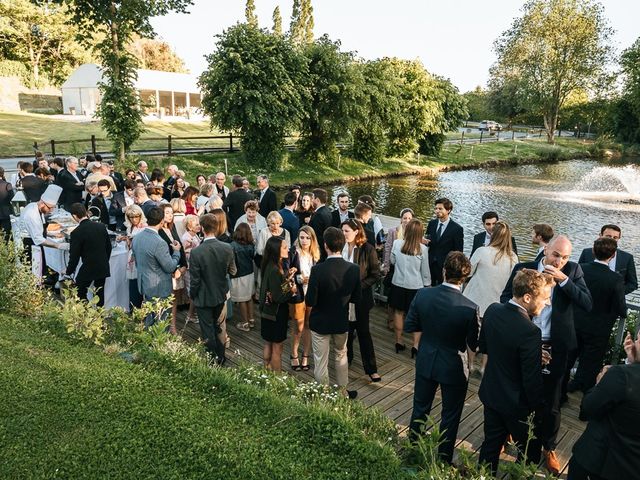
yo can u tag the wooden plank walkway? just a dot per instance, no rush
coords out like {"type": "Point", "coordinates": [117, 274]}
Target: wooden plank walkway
{"type": "Point", "coordinates": [394, 394]}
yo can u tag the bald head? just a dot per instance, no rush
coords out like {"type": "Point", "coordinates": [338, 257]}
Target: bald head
{"type": "Point", "coordinates": [558, 251]}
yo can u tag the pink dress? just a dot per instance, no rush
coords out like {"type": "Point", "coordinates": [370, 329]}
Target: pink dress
{"type": "Point", "coordinates": [189, 242]}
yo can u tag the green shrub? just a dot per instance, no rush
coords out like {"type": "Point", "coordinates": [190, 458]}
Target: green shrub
{"type": "Point", "coordinates": [13, 68]}
{"type": "Point", "coordinates": [20, 290]}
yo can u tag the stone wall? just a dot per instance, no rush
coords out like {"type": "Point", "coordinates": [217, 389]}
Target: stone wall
{"type": "Point", "coordinates": [15, 97]}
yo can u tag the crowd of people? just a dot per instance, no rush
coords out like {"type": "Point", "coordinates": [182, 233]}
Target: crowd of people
{"type": "Point", "coordinates": [312, 272]}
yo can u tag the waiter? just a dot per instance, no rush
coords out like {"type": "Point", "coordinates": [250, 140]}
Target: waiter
{"type": "Point", "coordinates": [34, 225]}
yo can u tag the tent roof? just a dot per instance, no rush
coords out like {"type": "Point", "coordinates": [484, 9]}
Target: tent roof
{"type": "Point", "coordinates": [90, 74]}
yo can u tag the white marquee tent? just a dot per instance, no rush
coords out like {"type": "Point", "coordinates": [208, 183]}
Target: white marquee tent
{"type": "Point", "coordinates": [162, 93]}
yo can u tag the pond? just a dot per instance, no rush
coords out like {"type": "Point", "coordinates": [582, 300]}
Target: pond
{"type": "Point", "coordinates": [576, 197]}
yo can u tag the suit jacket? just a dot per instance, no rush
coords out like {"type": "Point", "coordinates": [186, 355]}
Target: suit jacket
{"type": "Point", "coordinates": [290, 222]}
{"type": "Point", "coordinates": [320, 221]}
{"type": "Point", "coordinates": [71, 191]}
{"type": "Point", "coordinates": [209, 264]}
{"type": "Point", "coordinates": [268, 203]}
{"type": "Point", "coordinates": [610, 445]}
{"type": "Point", "coordinates": [449, 323]}
{"type": "Point", "coordinates": [143, 176]}
{"type": "Point", "coordinates": [33, 188]}
{"type": "Point", "coordinates": [118, 180]}
{"type": "Point", "coordinates": [335, 218]}
{"type": "Point", "coordinates": [154, 263]}
{"type": "Point", "coordinates": [625, 266]}
{"type": "Point", "coordinates": [574, 293]}
{"type": "Point", "coordinates": [99, 202]}
{"type": "Point", "coordinates": [607, 292]}
{"type": "Point", "coordinates": [118, 204]}
{"type": "Point", "coordinates": [234, 205]}
{"type": "Point", "coordinates": [6, 195]}
{"type": "Point", "coordinates": [366, 258]}
{"type": "Point", "coordinates": [512, 381]}
{"type": "Point", "coordinates": [452, 239]}
{"type": "Point", "coordinates": [478, 241]}
{"type": "Point", "coordinates": [89, 242]}
{"type": "Point", "coordinates": [333, 284]}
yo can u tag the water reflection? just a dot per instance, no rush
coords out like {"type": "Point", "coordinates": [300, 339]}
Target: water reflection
{"type": "Point", "coordinates": [576, 197]}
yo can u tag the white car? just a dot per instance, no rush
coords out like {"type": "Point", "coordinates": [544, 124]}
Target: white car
{"type": "Point", "coordinates": [489, 126]}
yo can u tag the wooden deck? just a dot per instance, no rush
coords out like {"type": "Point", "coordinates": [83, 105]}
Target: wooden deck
{"type": "Point", "coordinates": [394, 394]}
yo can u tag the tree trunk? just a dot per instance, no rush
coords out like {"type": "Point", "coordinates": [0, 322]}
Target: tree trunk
{"type": "Point", "coordinates": [550, 123]}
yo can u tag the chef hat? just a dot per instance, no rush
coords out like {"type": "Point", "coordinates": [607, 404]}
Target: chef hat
{"type": "Point", "coordinates": [51, 195]}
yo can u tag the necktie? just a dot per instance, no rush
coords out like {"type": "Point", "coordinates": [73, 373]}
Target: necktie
{"type": "Point", "coordinates": [439, 232]}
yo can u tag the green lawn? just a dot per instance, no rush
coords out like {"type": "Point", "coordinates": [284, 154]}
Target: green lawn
{"type": "Point", "coordinates": [68, 410]}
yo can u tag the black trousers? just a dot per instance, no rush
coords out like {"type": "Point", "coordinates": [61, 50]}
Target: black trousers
{"type": "Point", "coordinates": [361, 328]}
{"type": "Point", "coordinates": [98, 284]}
{"type": "Point", "coordinates": [590, 355]}
{"type": "Point", "coordinates": [210, 329]}
{"type": "Point", "coordinates": [497, 427]}
{"type": "Point", "coordinates": [452, 403]}
{"type": "Point", "coordinates": [553, 388]}
{"type": "Point", "coordinates": [577, 472]}
{"type": "Point", "coordinates": [436, 274]}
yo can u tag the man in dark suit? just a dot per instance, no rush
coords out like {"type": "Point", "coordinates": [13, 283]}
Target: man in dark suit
{"type": "Point", "coordinates": [443, 236]}
{"type": "Point", "coordinates": [142, 172]}
{"type": "Point", "coordinates": [363, 212]}
{"type": "Point", "coordinates": [120, 201]}
{"type": "Point", "coordinates": [341, 213]}
{"type": "Point", "coordinates": [448, 323]}
{"type": "Point", "coordinates": [102, 202]}
{"type": "Point", "coordinates": [117, 178]}
{"type": "Point", "coordinates": [622, 262]}
{"type": "Point", "coordinates": [321, 218]}
{"type": "Point", "coordinates": [511, 388]}
{"type": "Point", "coordinates": [89, 243]}
{"type": "Point", "coordinates": [209, 265]}
{"type": "Point", "coordinates": [34, 185]}
{"type": "Point", "coordinates": [594, 328]}
{"type": "Point", "coordinates": [557, 329]}
{"type": "Point", "coordinates": [71, 182]}
{"type": "Point", "coordinates": [609, 448]}
{"type": "Point", "coordinates": [482, 239]}
{"type": "Point", "coordinates": [333, 284]}
{"type": "Point", "coordinates": [235, 201]}
{"type": "Point", "coordinates": [290, 221]}
{"type": "Point", "coordinates": [267, 197]}
{"type": "Point", "coordinates": [541, 235]}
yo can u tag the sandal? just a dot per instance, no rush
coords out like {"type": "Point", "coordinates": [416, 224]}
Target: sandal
{"type": "Point", "coordinates": [305, 363]}
{"type": "Point", "coordinates": [295, 368]}
{"type": "Point", "coordinates": [376, 379]}
{"type": "Point", "coordinates": [244, 326]}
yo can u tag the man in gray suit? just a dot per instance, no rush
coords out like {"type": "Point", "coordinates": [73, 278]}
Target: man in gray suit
{"type": "Point", "coordinates": [153, 261]}
{"type": "Point", "coordinates": [209, 265]}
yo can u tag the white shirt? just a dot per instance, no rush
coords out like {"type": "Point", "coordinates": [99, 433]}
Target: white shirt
{"type": "Point", "coordinates": [444, 226]}
{"type": "Point", "coordinates": [543, 321]}
{"type": "Point", "coordinates": [33, 223]}
{"type": "Point", "coordinates": [487, 239]}
{"type": "Point", "coordinates": [512, 302]}
{"type": "Point", "coordinates": [612, 263]}
{"type": "Point", "coordinates": [451, 285]}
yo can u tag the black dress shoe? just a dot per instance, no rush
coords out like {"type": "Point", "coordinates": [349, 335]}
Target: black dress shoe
{"type": "Point", "coordinates": [352, 394]}
{"type": "Point", "coordinates": [414, 352]}
{"type": "Point", "coordinates": [400, 347]}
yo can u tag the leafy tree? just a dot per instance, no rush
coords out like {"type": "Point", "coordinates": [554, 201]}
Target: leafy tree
{"type": "Point", "coordinates": [250, 13]}
{"type": "Point", "coordinates": [118, 22]}
{"type": "Point", "coordinates": [478, 104]}
{"type": "Point", "coordinates": [334, 106]}
{"type": "Point", "coordinates": [302, 23]}
{"type": "Point", "coordinates": [626, 110]}
{"type": "Point", "coordinates": [36, 34]}
{"type": "Point", "coordinates": [253, 85]}
{"type": "Point", "coordinates": [153, 54]}
{"type": "Point", "coordinates": [277, 21]}
{"type": "Point", "coordinates": [505, 101]}
{"type": "Point", "coordinates": [555, 48]}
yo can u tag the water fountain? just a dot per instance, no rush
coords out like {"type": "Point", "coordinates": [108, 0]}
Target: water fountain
{"type": "Point", "coordinates": [610, 184]}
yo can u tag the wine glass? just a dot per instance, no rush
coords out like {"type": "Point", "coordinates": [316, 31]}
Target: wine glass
{"type": "Point", "coordinates": [546, 348]}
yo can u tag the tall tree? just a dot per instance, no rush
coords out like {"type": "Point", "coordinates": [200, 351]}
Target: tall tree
{"type": "Point", "coordinates": [254, 85]}
{"type": "Point", "coordinates": [302, 23]}
{"type": "Point", "coordinates": [118, 21]}
{"type": "Point", "coordinates": [555, 48]}
{"type": "Point", "coordinates": [153, 54]}
{"type": "Point", "coordinates": [277, 21]}
{"type": "Point", "coordinates": [627, 112]}
{"type": "Point", "coordinates": [250, 13]}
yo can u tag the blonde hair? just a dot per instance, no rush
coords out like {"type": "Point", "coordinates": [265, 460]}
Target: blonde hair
{"type": "Point", "coordinates": [178, 205]}
{"type": "Point", "coordinates": [501, 241]}
{"type": "Point", "coordinates": [190, 220]}
{"type": "Point", "coordinates": [133, 211]}
{"type": "Point", "coordinates": [274, 216]}
{"type": "Point", "coordinates": [314, 248]}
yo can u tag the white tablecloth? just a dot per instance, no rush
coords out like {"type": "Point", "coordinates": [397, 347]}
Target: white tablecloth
{"type": "Point", "coordinates": [116, 288]}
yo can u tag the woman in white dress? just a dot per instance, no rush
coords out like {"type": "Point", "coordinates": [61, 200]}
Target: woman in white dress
{"type": "Point", "coordinates": [490, 270]}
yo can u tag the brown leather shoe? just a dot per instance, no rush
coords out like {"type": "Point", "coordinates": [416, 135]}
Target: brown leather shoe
{"type": "Point", "coordinates": [551, 460]}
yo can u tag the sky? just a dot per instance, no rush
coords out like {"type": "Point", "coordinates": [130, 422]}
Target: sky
{"type": "Point", "coordinates": [452, 38]}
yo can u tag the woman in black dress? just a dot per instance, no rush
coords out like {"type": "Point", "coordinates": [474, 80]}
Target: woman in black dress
{"type": "Point", "coordinates": [276, 289]}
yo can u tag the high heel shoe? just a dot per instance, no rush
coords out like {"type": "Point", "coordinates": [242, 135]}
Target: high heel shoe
{"type": "Point", "coordinates": [375, 379]}
{"type": "Point", "coordinates": [400, 347]}
{"type": "Point", "coordinates": [414, 352]}
{"type": "Point", "coordinates": [295, 368]}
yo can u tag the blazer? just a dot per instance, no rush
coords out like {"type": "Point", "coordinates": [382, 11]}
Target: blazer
{"type": "Point", "coordinates": [575, 292]}
{"type": "Point", "coordinates": [366, 258]}
{"type": "Point", "coordinates": [209, 264]}
{"type": "Point", "coordinates": [411, 271]}
{"type": "Point", "coordinates": [449, 324]}
{"type": "Point", "coordinates": [320, 221]}
{"type": "Point", "coordinates": [71, 191]}
{"type": "Point", "coordinates": [154, 263]}
{"type": "Point", "coordinates": [512, 380]}
{"type": "Point", "coordinates": [116, 209]}
{"type": "Point", "coordinates": [290, 222]}
{"type": "Point", "coordinates": [169, 241]}
{"type": "Point", "coordinates": [452, 239]}
{"type": "Point", "coordinates": [143, 176]}
{"type": "Point", "coordinates": [268, 203]}
{"type": "Point", "coordinates": [118, 180]}
{"type": "Point", "coordinates": [99, 202]}
{"type": "Point", "coordinates": [333, 284]}
{"type": "Point", "coordinates": [89, 242]}
{"type": "Point", "coordinates": [335, 217]}
{"type": "Point", "coordinates": [625, 266]}
{"type": "Point", "coordinates": [607, 292]}
{"type": "Point", "coordinates": [234, 205]}
{"type": "Point", "coordinates": [6, 195]}
{"type": "Point", "coordinates": [478, 241]}
{"type": "Point", "coordinates": [610, 445]}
